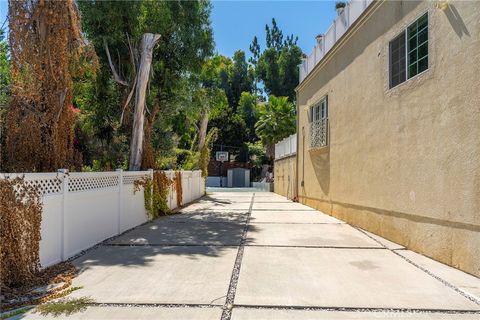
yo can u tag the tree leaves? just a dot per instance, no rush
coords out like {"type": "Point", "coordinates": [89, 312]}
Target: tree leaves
{"type": "Point", "coordinates": [277, 65]}
{"type": "Point", "coordinates": [276, 120]}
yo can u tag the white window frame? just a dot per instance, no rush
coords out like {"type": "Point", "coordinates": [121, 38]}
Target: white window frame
{"type": "Point", "coordinates": [319, 124]}
{"type": "Point", "coordinates": [319, 111]}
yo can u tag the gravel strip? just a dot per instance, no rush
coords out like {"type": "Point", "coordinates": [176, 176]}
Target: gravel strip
{"type": "Point", "coordinates": [355, 309]}
{"type": "Point", "coordinates": [151, 305]}
{"type": "Point", "coordinates": [228, 306]}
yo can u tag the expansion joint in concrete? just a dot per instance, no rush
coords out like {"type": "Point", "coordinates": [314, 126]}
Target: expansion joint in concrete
{"type": "Point", "coordinates": [298, 222]}
{"type": "Point", "coordinates": [357, 309]}
{"type": "Point", "coordinates": [313, 247]}
{"type": "Point", "coordinates": [167, 245]}
{"type": "Point", "coordinates": [152, 305]}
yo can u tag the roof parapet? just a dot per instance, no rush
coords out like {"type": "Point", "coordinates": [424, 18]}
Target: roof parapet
{"type": "Point", "coordinates": [324, 42]}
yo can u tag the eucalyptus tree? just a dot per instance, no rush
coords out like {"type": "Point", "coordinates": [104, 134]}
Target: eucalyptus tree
{"type": "Point", "coordinates": [185, 42]}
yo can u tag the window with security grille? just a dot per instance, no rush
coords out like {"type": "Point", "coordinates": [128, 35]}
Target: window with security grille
{"type": "Point", "coordinates": [319, 124]}
{"type": "Point", "coordinates": [408, 52]}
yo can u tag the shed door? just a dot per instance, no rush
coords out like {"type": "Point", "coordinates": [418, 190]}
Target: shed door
{"type": "Point", "coordinates": [238, 178]}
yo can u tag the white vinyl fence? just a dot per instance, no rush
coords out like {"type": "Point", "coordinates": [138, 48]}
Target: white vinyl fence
{"type": "Point", "coordinates": [287, 147]}
{"type": "Point", "coordinates": [81, 209]}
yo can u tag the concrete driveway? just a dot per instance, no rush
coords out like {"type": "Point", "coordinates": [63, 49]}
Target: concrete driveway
{"type": "Point", "coordinates": [256, 255]}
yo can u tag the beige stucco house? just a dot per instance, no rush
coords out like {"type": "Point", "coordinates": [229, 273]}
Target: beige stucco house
{"type": "Point", "coordinates": [388, 134]}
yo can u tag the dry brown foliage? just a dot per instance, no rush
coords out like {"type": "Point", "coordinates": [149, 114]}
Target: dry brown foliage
{"type": "Point", "coordinates": [20, 220]}
{"type": "Point", "coordinates": [178, 188]}
{"type": "Point", "coordinates": [62, 273]}
{"type": "Point", "coordinates": [20, 274]}
{"type": "Point", "coordinates": [45, 46]}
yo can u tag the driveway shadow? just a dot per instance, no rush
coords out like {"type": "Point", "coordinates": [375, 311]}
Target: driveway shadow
{"type": "Point", "coordinates": [192, 235]}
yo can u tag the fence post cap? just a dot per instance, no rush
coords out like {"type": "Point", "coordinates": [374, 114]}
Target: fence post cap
{"type": "Point", "coordinates": [62, 170]}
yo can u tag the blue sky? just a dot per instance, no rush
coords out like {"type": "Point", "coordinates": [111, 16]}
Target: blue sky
{"type": "Point", "coordinates": [3, 11]}
{"type": "Point", "coordinates": [235, 23]}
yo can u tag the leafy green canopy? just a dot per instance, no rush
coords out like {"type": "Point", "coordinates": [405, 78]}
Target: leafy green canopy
{"type": "Point", "coordinates": [277, 65]}
{"type": "Point", "coordinates": [247, 110]}
{"type": "Point", "coordinates": [276, 120]}
{"type": "Point", "coordinates": [207, 96]}
{"type": "Point", "coordinates": [235, 77]}
{"type": "Point", "coordinates": [276, 68]}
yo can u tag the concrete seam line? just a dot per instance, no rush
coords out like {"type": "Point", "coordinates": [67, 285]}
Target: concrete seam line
{"type": "Point", "coordinates": [273, 202]}
{"type": "Point", "coordinates": [321, 223]}
{"type": "Point", "coordinates": [274, 307]}
{"type": "Point", "coordinates": [169, 245]}
{"type": "Point", "coordinates": [287, 210]}
{"type": "Point", "coordinates": [104, 242]}
{"type": "Point", "coordinates": [236, 245]}
{"type": "Point", "coordinates": [227, 209]}
{"type": "Point", "coordinates": [204, 221]}
{"type": "Point", "coordinates": [232, 288]}
{"type": "Point", "coordinates": [153, 305]}
{"type": "Point", "coordinates": [425, 270]}
{"type": "Point", "coordinates": [356, 309]}
{"type": "Point", "coordinates": [313, 247]}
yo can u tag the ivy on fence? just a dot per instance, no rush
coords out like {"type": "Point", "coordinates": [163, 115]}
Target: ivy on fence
{"type": "Point", "coordinates": [155, 193]}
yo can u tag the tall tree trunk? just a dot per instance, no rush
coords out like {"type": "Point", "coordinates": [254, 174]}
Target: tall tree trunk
{"type": "Point", "coordinates": [136, 145]}
{"type": "Point", "coordinates": [203, 129]}
{"type": "Point", "coordinates": [148, 157]}
{"type": "Point", "coordinates": [270, 151]}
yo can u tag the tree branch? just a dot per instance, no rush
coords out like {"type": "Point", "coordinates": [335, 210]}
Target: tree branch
{"type": "Point", "coordinates": [130, 95]}
{"type": "Point", "coordinates": [112, 67]}
{"type": "Point", "coordinates": [132, 55]}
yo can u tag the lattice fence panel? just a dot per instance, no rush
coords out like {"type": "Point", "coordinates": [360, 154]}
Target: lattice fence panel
{"type": "Point", "coordinates": [130, 179]}
{"type": "Point", "coordinates": [46, 186]}
{"type": "Point", "coordinates": [91, 183]}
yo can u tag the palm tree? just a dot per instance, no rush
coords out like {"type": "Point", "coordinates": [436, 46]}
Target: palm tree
{"type": "Point", "coordinates": [277, 120]}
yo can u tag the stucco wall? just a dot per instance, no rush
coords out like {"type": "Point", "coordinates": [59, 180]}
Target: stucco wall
{"type": "Point", "coordinates": [284, 174]}
{"type": "Point", "coordinates": [403, 163]}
